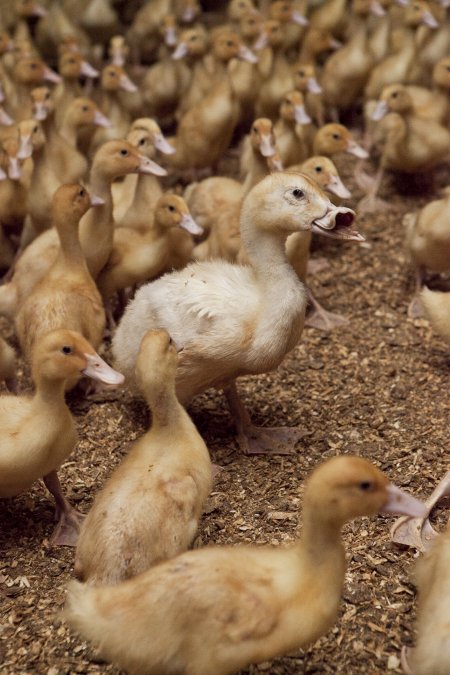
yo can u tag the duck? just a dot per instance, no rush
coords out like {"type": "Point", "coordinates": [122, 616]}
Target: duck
{"type": "Point", "coordinates": [329, 16]}
{"type": "Point", "coordinates": [235, 319]}
{"type": "Point", "coordinates": [428, 243]}
{"type": "Point", "coordinates": [13, 188]}
{"type": "Point", "coordinates": [275, 70]}
{"type": "Point", "coordinates": [192, 47]}
{"type": "Point", "coordinates": [434, 104]}
{"type": "Point", "coordinates": [160, 508]}
{"type": "Point", "coordinates": [292, 19]}
{"type": "Point", "coordinates": [408, 143]}
{"type": "Point", "coordinates": [289, 134]}
{"type": "Point", "coordinates": [71, 67]}
{"type": "Point", "coordinates": [216, 201]}
{"type": "Point", "coordinates": [436, 306]}
{"type": "Point", "coordinates": [305, 81]}
{"type": "Point", "coordinates": [140, 254]}
{"type": "Point", "coordinates": [8, 366]}
{"type": "Point", "coordinates": [316, 46]}
{"type": "Point", "coordinates": [67, 296]}
{"type": "Point", "coordinates": [113, 159]}
{"type": "Point", "coordinates": [27, 454]}
{"type": "Point", "coordinates": [333, 138]}
{"type": "Point", "coordinates": [135, 197]}
{"type": "Point", "coordinates": [226, 607]}
{"type": "Point", "coordinates": [29, 72]}
{"type": "Point", "coordinates": [204, 132]}
{"type": "Point", "coordinates": [431, 655]}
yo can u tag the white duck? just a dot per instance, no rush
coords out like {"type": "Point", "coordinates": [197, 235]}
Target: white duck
{"type": "Point", "coordinates": [231, 320]}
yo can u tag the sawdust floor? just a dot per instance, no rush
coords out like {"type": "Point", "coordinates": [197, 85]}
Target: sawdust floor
{"type": "Point", "coordinates": [376, 387]}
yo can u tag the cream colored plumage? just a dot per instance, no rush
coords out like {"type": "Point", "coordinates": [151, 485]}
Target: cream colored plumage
{"type": "Point", "coordinates": [149, 509]}
{"type": "Point", "coordinates": [219, 609]}
{"type": "Point", "coordinates": [229, 319]}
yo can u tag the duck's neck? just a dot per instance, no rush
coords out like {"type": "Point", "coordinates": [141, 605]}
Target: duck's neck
{"type": "Point", "coordinates": [258, 170]}
{"type": "Point", "coordinates": [49, 393]}
{"type": "Point", "coordinates": [166, 410]}
{"type": "Point", "coordinates": [71, 254]}
{"type": "Point", "coordinates": [97, 226]}
{"type": "Point", "coordinates": [321, 542]}
{"type": "Point", "coordinates": [68, 131]}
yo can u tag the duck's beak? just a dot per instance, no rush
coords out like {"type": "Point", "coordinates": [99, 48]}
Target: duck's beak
{"type": "Point", "coordinates": [87, 70]}
{"type": "Point", "coordinates": [429, 20]}
{"type": "Point", "coordinates": [99, 370]}
{"type": "Point", "coordinates": [266, 146]}
{"type": "Point", "coordinates": [261, 42]}
{"type": "Point", "coordinates": [275, 164]}
{"type": "Point", "coordinates": [38, 10]}
{"type": "Point", "coordinates": [126, 84]}
{"type": "Point", "coordinates": [335, 223]}
{"type": "Point", "coordinates": [3, 175]}
{"type": "Point", "coordinates": [301, 116]}
{"type": "Point", "coordinates": [354, 149]}
{"type": "Point", "coordinates": [96, 200]}
{"type": "Point", "coordinates": [147, 165]}
{"type": "Point", "coordinates": [381, 110]}
{"type": "Point", "coordinates": [313, 86]}
{"type": "Point", "coordinates": [377, 9]}
{"type": "Point", "coordinates": [5, 119]}
{"type": "Point", "coordinates": [180, 52]}
{"type": "Point", "coordinates": [100, 120]}
{"type": "Point", "coordinates": [163, 145]}
{"type": "Point", "coordinates": [25, 147]}
{"type": "Point", "coordinates": [401, 503]}
{"type": "Point", "coordinates": [14, 169]}
{"type": "Point", "coordinates": [337, 187]}
{"type": "Point", "coordinates": [245, 54]}
{"type": "Point", "coordinates": [188, 14]}
{"type": "Point", "coordinates": [51, 76]}
{"type": "Point", "coordinates": [299, 18]}
{"type": "Point", "coordinates": [117, 58]}
{"type": "Point", "coordinates": [188, 223]}
{"type": "Point", "coordinates": [40, 112]}
{"type": "Point", "coordinates": [170, 36]}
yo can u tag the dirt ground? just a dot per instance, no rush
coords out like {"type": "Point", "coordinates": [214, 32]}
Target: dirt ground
{"type": "Point", "coordinates": [376, 387]}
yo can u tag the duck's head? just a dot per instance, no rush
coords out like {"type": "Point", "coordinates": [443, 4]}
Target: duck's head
{"type": "Point", "coordinates": [305, 78]}
{"type": "Point", "coordinates": [365, 7]}
{"type": "Point", "coordinates": [42, 103]}
{"type": "Point", "coordinates": [292, 108]}
{"type": "Point", "coordinates": [287, 202]}
{"type": "Point", "coordinates": [114, 78]}
{"type": "Point", "coordinates": [168, 30]}
{"type": "Point", "coordinates": [394, 98]}
{"type": "Point", "coordinates": [83, 111]}
{"type": "Point", "coordinates": [333, 138]}
{"type": "Point", "coordinates": [31, 70]}
{"type": "Point", "coordinates": [63, 354]}
{"type": "Point", "coordinates": [262, 137]}
{"type": "Point", "coordinates": [228, 45]}
{"type": "Point", "coordinates": [6, 43]}
{"type": "Point", "coordinates": [69, 43]}
{"type": "Point", "coordinates": [441, 73]}
{"type": "Point", "coordinates": [285, 12]}
{"type": "Point", "coordinates": [157, 360]}
{"type": "Point", "coordinates": [250, 24]}
{"type": "Point", "coordinates": [419, 13]}
{"type": "Point", "coordinates": [72, 66]}
{"type": "Point", "coordinates": [324, 173]}
{"type": "Point", "coordinates": [27, 9]}
{"type": "Point", "coordinates": [172, 211]}
{"type": "Point", "coordinates": [31, 138]}
{"type": "Point", "coordinates": [320, 41]}
{"type": "Point", "coordinates": [193, 42]}
{"type": "Point", "coordinates": [73, 200]}
{"type": "Point", "coordinates": [188, 10]}
{"type": "Point", "coordinates": [146, 135]}
{"type": "Point", "coordinates": [119, 158]}
{"type": "Point", "coordinates": [348, 487]}
{"type": "Point", "coordinates": [237, 8]}
{"type": "Point", "coordinates": [270, 34]}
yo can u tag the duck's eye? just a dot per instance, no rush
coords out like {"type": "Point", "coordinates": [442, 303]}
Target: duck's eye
{"type": "Point", "coordinates": [365, 485]}
{"type": "Point", "coordinates": [71, 61]}
{"type": "Point", "coordinates": [142, 141]}
{"type": "Point", "coordinates": [229, 43]}
{"type": "Point", "coordinates": [336, 137]}
{"type": "Point", "coordinates": [298, 194]}
{"type": "Point", "coordinates": [318, 169]}
{"type": "Point", "coordinates": [81, 193]}
{"type": "Point", "coordinates": [124, 152]}
{"type": "Point", "coordinates": [301, 73]}
{"type": "Point", "coordinates": [394, 94]}
{"type": "Point", "coordinates": [85, 108]}
{"type": "Point", "coordinates": [171, 208]}
{"type": "Point", "coordinates": [447, 68]}
{"type": "Point", "coordinates": [193, 38]}
{"type": "Point", "coordinates": [47, 96]}
{"type": "Point", "coordinates": [66, 349]}
{"type": "Point", "coordinates": [35, 130]}
{"type": "Point", "coordinates": [33, 66]}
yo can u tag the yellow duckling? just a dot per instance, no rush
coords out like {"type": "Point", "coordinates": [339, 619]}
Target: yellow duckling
{"type": "Point", "coordinates": [291, 139]}
{"type": "Point", "coordinates": [434, 104]}
{"type": "Point", "coordinates": [408, 143]}
{"type": "Point", "coordinates": [67, 296]}
{"type": "Point", "coordinates": [431, 655]}
{"type": "Point", "coordinates": [37, 434]}
{"type": "Point", "coordinates": [275, 69]}
{"type": "Point", "coordinates": [333, 138]}
{"type": "Point", "coordinates": [71, 67]}
{"type": "Point", "coordinates": [304, 79]}
{"type": "Point", "coordinates": [428, 242]}
{"type": "Point", "coordinates": [113, 159]}
{"type": "Point", "coordinates": [437, 311]}
{"type": "Point", "coordinates": [29, 72]}
{"type": "Point", "coordinates": [8, 366]}
{"type": "Point", "coordinates": [192, 46]}
{"type": "Point", "coordinates": [113, 80]}
{"type": "Point", "coordinates": [157, 494]}
{"type": "Point", "coordinates": [219, 609]}
{"type": "Point", "coordinates": [232, 319]}
{"type": "Point", "coordinates": [141, 254]}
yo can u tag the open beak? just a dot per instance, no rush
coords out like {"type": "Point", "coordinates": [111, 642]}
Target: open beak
{"type": "Point", "coordinates": [354, 149]}
{"type": "Point", "coordinates": [163, 145]}
{"type": "Point", "coordinates": [381, 110]}
{"type": "Point", "coordinates": [299, 18]}
{"type": "Point", "coordinates": [336, 224]}
{"type": "Point", "coordinates": [337, 187]}
{"type": "Point", "coordinates": [266, 146]}
{"type": "Point", "coordinates": [100, 120]}
{"type": "Point", "coordinates": [99, 370]}
{"type": "Point", "coordinates": [180, 52]}
{"type": "Point", "coordinates": [87, 70]}
{"type": "Point", "coordinates": [148, 166]}
{"type": "Point", "coordinates": [313, 86]}
{"type": "Point", "coordinates": [51, 76]}
{"type": "Point", "coordinates": [126, 84]}
{"type": "Point", "coordinates": [401, 503]}
{"type": "Point", "coordinates": [188, 223]}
